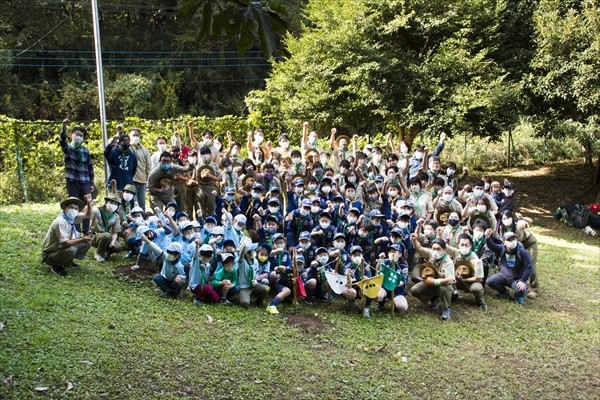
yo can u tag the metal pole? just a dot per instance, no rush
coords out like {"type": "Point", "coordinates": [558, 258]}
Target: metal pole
{"type": "Point", "coordinates": [20, 164]}
{"type": "Point", "coordinates": [101, 104]}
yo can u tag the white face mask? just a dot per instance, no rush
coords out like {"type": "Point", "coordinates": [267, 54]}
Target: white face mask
{"type": "Point", "coordinates": [507, 222]}
{"type": "Point", "coordinates": [437, 254]}
{"type": "Point", "coordinates": [189, 236]}
{"type": "Point", "coordinates": [171, 257]}
{"type": "Point", "coordinates": [71, 214]}
{"type": "Point", "coordinates": [326, 189]}
{"type": "Point", "coordinates": [162, 147]}
{"type": "Point", "coordinates": [304, 212]}
{"type": "Point", "coordinates": [237, 227]}
{"type": "Point", "coordinates": [315, 209]}
{"type": "Point", "coordinates": [139, 221]}
{"type": "Point", "coordinates": [305, 245]}
{"type": "Point", "coordinates": [273, 210]}
{"type": "Point", "coordinates": [299, 190]}
{"type": "Point", "coordinates": [378, 185]}
{"type": "Point", "coordinates": [447, 197]}
{"type": "Point", "coordinates": [170, 213]}
{"type": "Point", "coordinates": [284, 144]}
{"type": "Point", "coordinates": [507, 192]}
{"type": "Point", "coordinates": [339, 245]}
{"type": "Point", "coordinates": [510, 245]}
{"type": "Point", "coordinates": [404, 150]}
{"type": "Point", "coordinates": [207, 141]}
{"type": "Point", "coordinates": [323, 259]}
{"type": "Point", "coordinates": [351, 195]}
{"type": "Point", "coordinates": [395, 256]}
{"type": "Point", "coordinates": [312, 140]}
{"type": "Point", "coordinates": [258, 139]}
{"type": "Point", "coordinates": [428, 233]}
{"type": "Point", "coordinates": [192, 160]}
{"type": "Point", "coordinates": [418, 155]}
{"type": "Point", "coordinates": [255, 195]}
{"type": "Point", "coordinates": [324, 160]}
{"type": "Point", "coordinates": [391, 176]}
{"type": "Point", "coordinates": [312, 186]}
{"type": "Point", "coordinates": [351, 179]}
{"type": "Point", "coordinates": [296, 160]}
{"type": "Point", "coordinates": [362, 161]}
{"type": "Point", "coordinates": [352, 220]}
{"type": "Point", "coordinates": [392, 193]}
{"type": "Point", "coordinates": [481, 208]}
{"type": "Point", "coordinates": [362, 234]}
{"type": "Point", "coordinates": [376, 157]}
{"type": "Point", "coordinates": [134, 139]}
{"type": "Point", "coordinates": [450, 171]}
{"type": "Point", "coordinates": [235, 151]}
{"type": "Point", "coordinates": [357, 259]}
{"type": "Point", "coordinates": [77, 140]}
{"type": "Point", "coordinates": [206, 157]}
{"type": "Point", "coordinates": [127, 196]}
{"type": "Point", "coordinates": [478, 192]}
{"type": "Point", "coordinates": [402, 225]}
{"type": "Point", "coordinates": [343, 170]}
{"type": "Point", "coordinates": [111, 207]}
{"type": "Point", "coordinates": [477, 235]}
{"type": "Point", "coordinates": [218, 145]}
{"type": "Point", "coordinates": [464, 250]}
{"type": "Point", "coordinates": [325, 225]}
{"type": "Point", "coordinates": [415, 188]}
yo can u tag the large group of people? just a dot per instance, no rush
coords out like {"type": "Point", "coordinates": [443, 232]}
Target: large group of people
{"type": "Point", "coordinates": [377, 223]}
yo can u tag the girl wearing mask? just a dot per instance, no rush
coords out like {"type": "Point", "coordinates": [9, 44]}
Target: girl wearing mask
{"type": "Point", "coordinates": [480, 207]}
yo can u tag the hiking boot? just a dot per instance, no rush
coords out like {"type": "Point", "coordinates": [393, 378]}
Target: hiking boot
{"type": "Point", "coordinates": [520, 300]}
{"type": "Point", "coordinates": [99, 258]}
{"type": "Point", "coordinates": [130, 254]}
{"type": "Point", "coordinates": [366, 313]}
{"type": "Point", "coordinates": [197, 302]}
{"type": "Point", "coordinates": [446, 314]}
{"type": "Point", "coordinates": [502, 295]}
{"type": "Point", "coordinates": [483, 306]}
{"type": "Point", "coordinates": [73, 265]}
{"type": "Point", "coordinates": [435, 303]}
{"type": "Point", "coordinates": [272, 310]}
{"type": "Point", "coordinates": [60, 271]}
{"type": "Point", "coordinates": [532, 295]}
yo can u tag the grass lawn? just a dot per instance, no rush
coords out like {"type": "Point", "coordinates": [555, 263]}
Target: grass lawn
{"type": "Point", "coordinates": [95, 334]}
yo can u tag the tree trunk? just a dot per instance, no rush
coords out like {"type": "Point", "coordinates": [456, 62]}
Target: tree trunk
{"type": "Point", "coordinates": [597, 174]}
{"type": "Point", "coordinates": [586, 147]}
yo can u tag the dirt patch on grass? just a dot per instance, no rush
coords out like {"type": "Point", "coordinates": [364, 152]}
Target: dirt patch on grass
{"type": "Point", "coordinates": [307, 323]}
{"type": "Point", "coordinates": [143, 273]}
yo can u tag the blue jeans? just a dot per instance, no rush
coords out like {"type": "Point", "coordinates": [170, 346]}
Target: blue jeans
{"type": "Point", "coordinates": [141, 194]}
{"type": "Point", "coordinates": [134, 245]}
{"type": "Point", "coordinates": [499, 282]}
{"type": "Point", "coordinates": [232, 292]}
{"type": "Point", "coordinates": [166, 285]}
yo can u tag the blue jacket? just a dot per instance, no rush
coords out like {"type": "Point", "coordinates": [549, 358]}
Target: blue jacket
{"type": "Point", "coordinates": [122, 165]}
{"type": "Point", "coordinates": [518, 268]}
{"type": "Point", "coordinates": [415, 165]}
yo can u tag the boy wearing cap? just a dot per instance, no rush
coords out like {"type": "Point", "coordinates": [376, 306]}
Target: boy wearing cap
{"type": "Point", "coordinates": [122, 161]}
{"type": "Point", "coordinates": [365, 239]}
{"type": "Point", "coordinates": [248, 274]}
{"type": "Point", "coordinates": [225, 279]}
{"type": "Point", "coordinates": [274, 210]}
{"type": "Point", "coordinates": [187, 242]}
{"type": "Point", "coordinates": [471, 284]}
{"type": "Point", "coordinates": [63, 243]}
{"type": "Point", "coordinates": [514, 264]}
{"type": "Point", "coordinates": [435, 289]}
{"type": "Point", "coordinates": [228, 203]}
{"type": "Point", "coordinates": [295, 195]}
{"type": "Point", "coordinates": [156, 233]}
{"type": "Point", "coordinates": [396, 263]}
{"type": "Point", "coordinates": [250, 204]}
{"type": "Point", "coordinates": [265, 234]}
{"type": "Point", "coordinates": [354, 270]}
{"type": "Point", "coordinates": [306, 248]}
{"type": "Point", "coordinates": [172, 277]}
{"type": "Point", "coordinates": [507, 198]}
{"type": "Point", "coordinates": [129, 234]}
{"type": "Point", "coordinates": [298, 221]}
{"type": "Point", "coordinates": [314, 276]}
{"type": "Point", "coordinates": [420, 198]}
{"type": "Point", "coordinates": [349, 227]}
{"type": "Point", "coordinates": [105, 226]}
{"type": "Point", "coordinates": [322, 234]}
{"type": "Point", "coordinates": [281, 266]}
{"type": "Point", "coordinates": [350, 200]}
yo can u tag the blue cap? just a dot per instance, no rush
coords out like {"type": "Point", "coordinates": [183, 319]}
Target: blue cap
{"type": "Point", "coordinates": [306, 203]}
{"type": "Point", "coordinates": [230, 190]}
{"type": "Point", "coordinates": [409, 204]}
{"type": "Point", "coordinates": [267, 247]}
{"type": "Point", "coordinates": [322, 249]}
{"type": "Point", "coordinates": [258, 186]}
{"type": "Point", "coordinates": [140, 231]}
{"type": "Point", "coordinates": [211, 219]}
{"type": "Point", "coordinates": [355, 248]}
{"type": "Point", "coordinates": [304, 235]}
{"type": "Point", "coordinates": [185, 225]}
{"type": "Point", "coordinates": [253, 246]}
{"type": "Point", "coordinates": [174, 247]}
{"type": "Point", "coordinates": [375, 213]}
{"type": "Point", "coordinates": [225, 256]}
{"type": "Point", "coordinates": [397, 231]}
{"type": "Point", "coordinates": [354, 209]}
{"type": "Point", "coordinates": [404, 213]}
{"type": "Point", "coordinates": [173, 204]}
{"type": "Point", "coordinates": [379, 178]}
{"type": "Point", "coordinates": [298, 181]}
{"type": "Point", "coordinates": [338, 197]}
{"type": "Point", "coordinates": [326, 179]}
{"type": "Point", "coordinates": [274, 200]}
{"type": "Point", "coordinates": [196, 224]}
{"type": "Point", "coordinates": [181, 214]}
{"type": "Point", "coordinates": [278, 236]}
{"type": "Point", "coordinates": [325, 214]}
{"type": "Point", "coordinates": [271, 218]}
{"type": "Point", "coordinates": [300, 258]}
{"type": "Point", "coordinates": [313, 199]}
{"type": "Point", "coordinates": [394, 247]}
{"type": "Point", "coordinates": [339, 235]}
{"type": "Point", "coordinates": [228, 242]}
{"type": "Point", "coordinates": [402, 203]}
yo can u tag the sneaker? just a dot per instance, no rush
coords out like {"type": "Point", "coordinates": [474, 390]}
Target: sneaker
{"type": "Point", "coordinates": [366, 313]}
{"type": "Point", "coordinates": [308, 302]}
{"type": "Point", "coordinates": [73, 265]}
{"type": "Point", "coordinates": [197, 302]}
{"type": "Point", "coordinates": [180, 295]}
{"type": "Point", "coordinates": [532, 295]}
{"type": "Point", "coordinates": [379, 307]}
{"type": "Point", "coordinates": [446, 314]}
{"type": "Point", "coordinates": [163, 294]}
{"type": "Point", "coordinates": [435, 303]}
{"type": "Point", "coordinates": [272, 310]}
{"type": "Point", "coordinates": [99, 258]}
{"type": "Point", "coordinates": [321, 299]}
{"type": "Point", "coordinates": [259, 303]}
{"type": "Point", "coordinates": [483, 306]}
{"type": "Point", "coordinates": [590, 231]}
{"type": "Point", "coordinates": [58, 271]}
{"type": "Point", "coordinates": [520, 300]}
{"type": "Point", "coordinates": [454, 295]}
{"type": "Point", "coordinates": [130, 254]}
{"type": "Point", "coordinates": [228, 302]}
{"type": "Point", "coordinates": [502, 295]}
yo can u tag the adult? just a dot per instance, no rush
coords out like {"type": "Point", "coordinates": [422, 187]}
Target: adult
{"type": "Point", "coordinates": [63, 244]}
{"type": "Point", "coordinates": [79, 168]}
{"type": "Point", "coordinates": [309, 141]}
{"type": "Point", "coordinates": [420, 156]}
{"type": "Point", "coordinates": [160, 181]}
{"type": "Point", "coordinates": [106, 227]}
{"type": "Point", "coordinates": [161, 146]}
{"type": "Point", "coordinates": [121, 160]}
{"type": "Point", "coordinates": [144, 160]}
{"type": "Point", "coordinates": [207, 141]}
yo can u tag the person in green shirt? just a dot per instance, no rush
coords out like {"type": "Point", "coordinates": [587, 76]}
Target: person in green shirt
{"type": "Point", "coordinates": [248, 268]}
{"type": "Point", "coordinates": [225, 280]}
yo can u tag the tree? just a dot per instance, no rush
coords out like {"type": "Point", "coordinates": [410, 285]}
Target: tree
{"type": "Point", "coordinates": [420, 66]}
{"type": "Point", "coordinates": [566, 70]}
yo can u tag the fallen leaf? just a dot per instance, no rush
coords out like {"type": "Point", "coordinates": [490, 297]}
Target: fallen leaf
{"type": "Point", "coordinates": [41, 369]}
{"type": "Point", "coordinates": [8, 381]}
{"type": "Point", "coordinates": [86, 362]}
{"type": "Point", "coordinates": [2, 325]}
{"type": "Point", "coordinates": [69, 386]}
{"type": "Point", "coordinates": [404, 360]}
{"type": "Point", "coordinates": [40, 389]}
{"type": "Point", "coordinates": [111, 325]}
{"type": "Point", "coordinates": [379, 348]}
{"type": "Point", "coordinates": [210, 319]}
{"type": "Point", "coordinates": [129, 386]}
{"type": "Point", "coordinates": [258, 382]}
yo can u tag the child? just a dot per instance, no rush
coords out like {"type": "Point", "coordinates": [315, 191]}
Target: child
{"type": "Point", "coordinates": [225, 280]}
{"type": "Point", "coordinates": [172, 277]}
{"type": "Point", "coordinates": [354, 270]}
{"type": "Point", "coordinates": [248, 278]}
{"type": "Point", "coordinates": [315, 276]}
{"type": "Point", "coordinates": [395, 262]}
{"type": "Point", "coordinates": [228, 203]}
{"type": "Point", "coordinates": [263, 266]}
{"type": "Point", "coordinates": [350, 200]}
{"type": "Point", "coordinates": [298, 221]}
{"type": "Point", "coordinates": [200, 275]}
{"type": "Point", "coordinates": [281, 265]}
{"type": "Point", "coordinates": [322, 235]}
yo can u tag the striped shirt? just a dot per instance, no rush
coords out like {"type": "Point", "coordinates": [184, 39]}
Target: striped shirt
{"type": "Point", "coordinates": [78, 162]}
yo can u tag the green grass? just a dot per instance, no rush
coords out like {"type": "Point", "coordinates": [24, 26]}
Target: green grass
{"type": "Point", "coordinates": [142, 346]}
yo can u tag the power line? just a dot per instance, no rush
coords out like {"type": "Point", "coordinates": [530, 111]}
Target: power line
{"type": "Point", "coordinates": [89, 84]}
{"type": "Point", "coordinates": [130, 52]}
{"type": "Point", "coordinates": [135, 66]}
{"type": "Point", "coordinates": [129, 59]}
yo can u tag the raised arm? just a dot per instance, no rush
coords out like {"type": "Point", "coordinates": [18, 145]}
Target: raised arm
{"type": "Point", "coordinates": [193, 140]}
{"type": "Point", "coordinates": [332, 139]}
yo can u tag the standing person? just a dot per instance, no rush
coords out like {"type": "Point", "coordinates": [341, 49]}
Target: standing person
{"type": "Point", "coordinates": [122, 161]}
{"type": "Point", "coordinates": [207, 141]}
{"type": "Point", "coordinates": [79, 169]}
{"type": "Point", "coordinates": [144, 166]}
{"type": "Point", "coordinates": [419, 156]}
{"type": "Point", "coordinates": [161, 146]}
{"type": "Point", "coordinates": [62, 243]}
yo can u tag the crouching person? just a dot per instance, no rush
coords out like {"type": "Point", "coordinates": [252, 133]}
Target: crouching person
{"type": "Point", "coordinates": [63, 243]}
{"type": "Point", "coordinates": [200, 275]}
{"type": "Point", "coordinates": [105, 227]}
{"type": "Point", "coordinates": [248, 272]}
{"type": "Point", "coordinates": [171, 279]}
{"type": "Point", "coordinates": [225, 279]}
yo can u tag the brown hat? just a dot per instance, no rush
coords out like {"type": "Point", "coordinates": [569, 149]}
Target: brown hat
{"type": "Point", "coordinates": [465, 268]}
{"type": "Point", "coordinates": [130, 188]}
{"type": "Point", "coordinates": [112, 197]}
{"type": "Point", "coordinates": [72, 200]}
{"type": "Point", "coordinates": [428, 269]}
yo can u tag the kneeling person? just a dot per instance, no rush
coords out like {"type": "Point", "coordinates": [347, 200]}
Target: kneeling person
{"type": "Point", "coordinates": [470, 284]}
{"type": "Point", "coordinates": [171, 279]}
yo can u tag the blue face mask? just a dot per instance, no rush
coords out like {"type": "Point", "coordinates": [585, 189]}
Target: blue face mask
{"type": "Point", "coordinates": [269, 176]}
{"type": "Point", "coordinates": [165, 167]}
{"type": "Point", "coordinates": [271, 230]}
{"type": "Point", "coordinates": [229, 197]}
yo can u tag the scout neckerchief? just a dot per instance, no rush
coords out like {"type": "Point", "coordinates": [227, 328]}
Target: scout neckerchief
{"type": "Point", "coordinates": [122, 158]}
{"type": "Point", "coordinates": [126, 206]}
{"type": "Point", "coordinates": [297, 167]}
{"type": "Point", "coordinates": [250, 205]}
{"type": "Point", "coordinates": [324, 236]}
{"type": "Point", "coordinates": [73, 234]}
{"type": "Point", "coordinates": [357, 269]}
{"type": "Point", "coordinates": [228, 204]}
{"type": "Point", "coordinates": [393, 199]}
{"type": "Point", "coordinates": [478, 243]}
{"type": "Point", "coordinates": [364, 169]}
{"type": "Point", "coordinates": [438, 263]}
{"type": "Point", "coordinates": [78, 150]}
{"type": "Point", "coordinates": [453, 232]}
{"type": "Point", "coordinates": [105, 218]}
{"type": "Point", "coordinates": [417, 204]}
{"type": "Point", "coordinates": [350, 201]}
{"type": "Point", "coordinates": [342, 179]}
{"type": "Point", "coordinates": [466, 257]}
{"type": "Point", "coordinates": [446, 204]}
{"type": "Point", "coordinates": [434, 174]}
{"type": "Point", "coordinates": [230, 173]}
{"type": "Point", "coordinates": [315, 218]}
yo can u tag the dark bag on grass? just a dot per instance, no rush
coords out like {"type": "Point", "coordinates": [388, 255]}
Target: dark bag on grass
{"type": "Point", "coordinates": [573, 215]}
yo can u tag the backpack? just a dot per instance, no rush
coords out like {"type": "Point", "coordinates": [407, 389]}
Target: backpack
{"type": "Point", "coordinates": [595, 209]}
{"type": "Point", "coordinates": [575, 216]}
